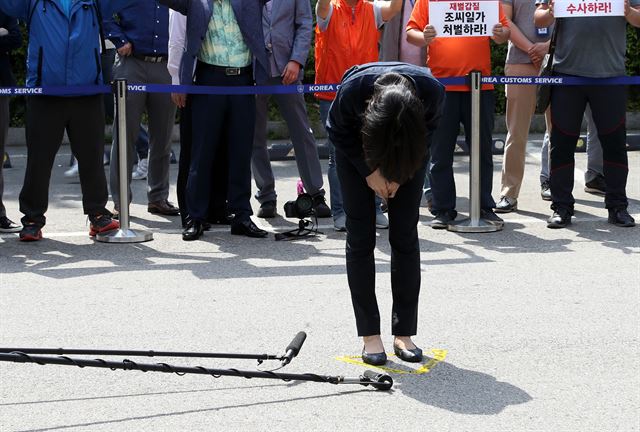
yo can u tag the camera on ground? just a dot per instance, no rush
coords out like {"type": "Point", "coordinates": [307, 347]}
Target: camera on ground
{"type": "Point", "coordinates": [301, 208]}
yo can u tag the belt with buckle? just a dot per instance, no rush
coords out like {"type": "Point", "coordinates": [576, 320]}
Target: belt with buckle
{"type": "Point", "coordinates": [150, 59]}
{"type": "Point", "coordinates": [230, 71]}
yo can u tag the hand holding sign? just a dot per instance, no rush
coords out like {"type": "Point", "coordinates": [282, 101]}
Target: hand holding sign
{"type": "Point", "coordinates": [464, 18]}
{"type": "Point", "coordinates": [589, 8]}
{"type": "Point", "coordinates": [429, 33]}
{"type": "Point", "coordinates": [497, 30]}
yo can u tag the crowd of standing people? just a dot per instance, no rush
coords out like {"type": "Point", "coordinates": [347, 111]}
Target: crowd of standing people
{"type": "Point", "coordinates": [242, 42]}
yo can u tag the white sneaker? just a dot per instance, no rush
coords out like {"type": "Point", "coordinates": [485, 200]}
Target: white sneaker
{"type": "Point", "coordinates": [381, 221]}
{"type": "Point", "coordinates": [73, 171]}
{"type": "Point", "coordinates": [140, 172]}
{"type": "Point", "coordinates": [340, 223]}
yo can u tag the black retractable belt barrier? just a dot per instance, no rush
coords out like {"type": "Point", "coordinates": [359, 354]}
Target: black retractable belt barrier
{"type": "Point", "coordinates": [60, 356]}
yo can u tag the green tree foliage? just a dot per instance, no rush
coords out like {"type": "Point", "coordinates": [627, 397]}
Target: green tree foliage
{"type": "Point", "coordinates": [633, 65]}
{"type": "Point", "coordinates": [498, 56]}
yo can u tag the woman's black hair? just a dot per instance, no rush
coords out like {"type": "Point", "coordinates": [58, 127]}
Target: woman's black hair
{"type": "Point", "coordinates": [394, 133]}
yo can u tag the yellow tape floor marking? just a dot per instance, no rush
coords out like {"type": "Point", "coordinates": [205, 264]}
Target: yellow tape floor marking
{"type": "Point", "coordinates": [438, 355]}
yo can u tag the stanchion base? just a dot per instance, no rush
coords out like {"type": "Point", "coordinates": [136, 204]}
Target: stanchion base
{"type": "Point", "coordinates": [125, 236]}
{"type": "Point", "coordinates": [482, 226]}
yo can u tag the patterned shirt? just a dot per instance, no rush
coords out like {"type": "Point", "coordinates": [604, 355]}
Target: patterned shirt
{"type": "Point", "coordinates": [223, 44]}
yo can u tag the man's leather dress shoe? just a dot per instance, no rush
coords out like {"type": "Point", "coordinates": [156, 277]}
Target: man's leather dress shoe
{"type": "Point", "coordinates": [163, 207]}
{"type": "Point", "coordinates": [193, 231]}
{"type": "Point", "coordinates": [247, 228]}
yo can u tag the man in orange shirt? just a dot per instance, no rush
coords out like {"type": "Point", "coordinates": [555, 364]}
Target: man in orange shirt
{"type": "Point", "coordinates": [454, 57]}
{"type": "Point", "coordinates": [346, 35]}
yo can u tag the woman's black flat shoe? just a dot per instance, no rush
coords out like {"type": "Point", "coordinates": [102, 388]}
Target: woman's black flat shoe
{"type": "Point", "coordinates": [374, 359]}
{"type": "Point", "coordinates": [408, 355]}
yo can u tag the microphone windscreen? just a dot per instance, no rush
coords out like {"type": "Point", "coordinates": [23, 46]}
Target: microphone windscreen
{"type": "Point", "coordinates": [296, 343]}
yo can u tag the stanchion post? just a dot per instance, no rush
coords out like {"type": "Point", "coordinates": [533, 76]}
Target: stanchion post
{"type": "Point", "coordinates": [124, 234]}
{"type": "Point", "coordinates": [474, 223]}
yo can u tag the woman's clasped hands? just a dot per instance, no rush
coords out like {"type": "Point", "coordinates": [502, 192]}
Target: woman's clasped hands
{"type": "Point", "coordinates": [384, 188]}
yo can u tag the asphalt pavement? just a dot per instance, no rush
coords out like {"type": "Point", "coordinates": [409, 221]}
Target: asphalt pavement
{"type": "Point", "coordinates": [527, 329]}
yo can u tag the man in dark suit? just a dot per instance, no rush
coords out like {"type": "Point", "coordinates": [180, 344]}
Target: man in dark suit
{"type": "Point", "coordinates": [222, 38]}
{"type": "Point", "coordinates": [10, 39]}
{"type": "Point", "coordinates": [287, 27]}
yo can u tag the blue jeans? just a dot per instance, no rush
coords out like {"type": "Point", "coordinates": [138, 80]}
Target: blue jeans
{"type": "Point", "coordinates": [335, 191]}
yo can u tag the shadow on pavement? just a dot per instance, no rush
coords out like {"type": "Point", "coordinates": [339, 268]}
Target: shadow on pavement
{"type": "Point", "coordinates": [606, 234]}
{"type": "Point", "coordinates": [459, 390]}
{"type": "Point", "coordinates": [218, 255]}
{"type": "Point", "coordinates": [224, 259]}
{"type": "Point", "coordinates": [176, 392]}
{"type": "Point", "coordinates": [510, 240]}
{"type": "Point", "coordinates": [194, 411]}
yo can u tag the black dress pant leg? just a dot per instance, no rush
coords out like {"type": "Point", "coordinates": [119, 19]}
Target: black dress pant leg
{"type": "Point", "coordinates": [239, 144]}
{"type": "Point", "coordinates": [46, 119]}
{"type": "Point", "coordinates": [359, 206]}
{"type": "Point", "coordinates": [443, 186]}
{"type": "Point", "coordinates": [405, 255]}
{"type": "Point", "coordinates": [608, 105]}
{"type": "Point", "coordinates": [218, 210]}
{"type": "Point", "coordinates": [220, 169]}
{"type": "Point", "coordinates": [184, 160]}
{"type": "Point", "coordinates": [208, 121]}
{"type": "Point", "coordinates": [86, 135]}
{"type": "Point", "coordinates": [567, 109]}
{"type": "Point", "coordinates": [4, 136]}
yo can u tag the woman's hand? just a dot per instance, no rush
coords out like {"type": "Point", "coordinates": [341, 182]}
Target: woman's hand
{"type": "Point", "coordinates": [392, 188]}
{"type": "Point", "coordinates": [378, 184]}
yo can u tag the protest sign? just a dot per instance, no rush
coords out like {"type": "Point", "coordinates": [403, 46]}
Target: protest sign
{"type": "Point", "coordinates": [463, 18]}
{"type": "Point", "coordinates": [588, 8]}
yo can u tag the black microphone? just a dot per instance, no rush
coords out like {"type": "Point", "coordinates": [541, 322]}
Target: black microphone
{"type": "Point", "coordinates": [293, 348]}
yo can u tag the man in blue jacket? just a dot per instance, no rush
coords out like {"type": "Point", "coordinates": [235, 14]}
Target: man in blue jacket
{"type": "Point", "coordinates": [10, 39]}
{"type": "Point", "coordinates": [64, 50]}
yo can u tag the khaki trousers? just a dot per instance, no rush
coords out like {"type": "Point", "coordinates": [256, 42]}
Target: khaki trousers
{"type": "Point", "coordinates": [521, 105]}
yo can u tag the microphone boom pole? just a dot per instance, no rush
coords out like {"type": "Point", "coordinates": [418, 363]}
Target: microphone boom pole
{"type": "Point", "coordinates": [59, 356]}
